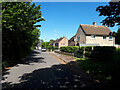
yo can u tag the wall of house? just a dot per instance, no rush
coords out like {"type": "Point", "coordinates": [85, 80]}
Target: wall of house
{"type": "Point", "coordinates": [82, 36]}
{"type": "Point", "coordinates": [63, 42]}
{"type": "Point", "coordinates": [99, 40]}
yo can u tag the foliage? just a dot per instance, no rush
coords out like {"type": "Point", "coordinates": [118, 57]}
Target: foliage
{"type": "Point", "coordinates": [103, 53]}
{"type": "Point", "coordinates": [69, 49]}
{"type": "Point", "coordinates": [117, 38]}
{"type": "Point", "coordinates": [45, 44]}
{"type": "Point", "coordinates": [111, 12]}
{"type": "Point", "coordinates": [51, 41]}
{"type": "Point", "coordinates": [20, 34]}
{"type": "Point", "coordinates": [106, 73]}
{"type": "Point", "coordinates": [51, 48]}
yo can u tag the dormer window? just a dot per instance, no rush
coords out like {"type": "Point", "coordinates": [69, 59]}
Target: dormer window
{"type": "Point", "coordinates": [93, 36]}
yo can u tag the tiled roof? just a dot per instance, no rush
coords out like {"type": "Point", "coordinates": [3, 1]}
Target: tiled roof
{"type": "Point", "coordinates": [95, 29]}
{"type": "Point", "coordinates": [58, 40]}
{"type": "Point", "coordinates": [71, 39]}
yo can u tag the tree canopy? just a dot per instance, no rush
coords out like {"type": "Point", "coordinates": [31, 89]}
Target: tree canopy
{"type": "Point", "coordinates": [20, 34]}
{"type": "Point", "coordinates": [111, 12]}
{"type": "Point", "coordinates": [118, 37]}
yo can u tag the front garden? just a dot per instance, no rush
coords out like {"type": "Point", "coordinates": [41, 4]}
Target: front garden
{"type": "Point", "coordinates": [103, 63]}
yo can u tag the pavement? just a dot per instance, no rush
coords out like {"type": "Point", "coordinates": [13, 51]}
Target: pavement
{"type": "Point", "coordinates": [65, 58]}
{"type": "Point", "coordinates": [46, 70]}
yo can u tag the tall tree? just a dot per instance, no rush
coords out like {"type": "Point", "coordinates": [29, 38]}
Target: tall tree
{"type": "Point", "coordinates": [20, 33]}
{"type": "Point", "coordinates": [112, 13]}
{"type": "Point", "coordinates": [118, 37]}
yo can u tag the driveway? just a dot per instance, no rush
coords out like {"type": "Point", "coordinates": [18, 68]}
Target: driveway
{"type": "Point", "coordinates": [41, 70]}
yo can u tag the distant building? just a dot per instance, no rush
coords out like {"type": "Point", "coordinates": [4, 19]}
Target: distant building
{"type": "Point", "coordinates": [71, 42]}
{"type": "Point", "coordinates": [38, 46]}
{"type": "Point", "coordinates": [92, 35]}
{"type": "Point", "coordinates": [63, 41]}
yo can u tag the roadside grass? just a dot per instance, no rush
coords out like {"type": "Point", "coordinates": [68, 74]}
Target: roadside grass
{"type": "Point", "coordinates": [106, 73]}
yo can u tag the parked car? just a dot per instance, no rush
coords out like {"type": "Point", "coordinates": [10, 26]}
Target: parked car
{"type": "Point", "coordinates": [43, 49]}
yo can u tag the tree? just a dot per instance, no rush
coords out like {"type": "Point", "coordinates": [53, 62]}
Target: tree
{"type": "Point", "coordinates": [51, 41]}
{"type": "Point", "coordinates": [118, 37]}
{"type": "Point", "coordinates": [45, 44]}
{"type": "Point", "coordinates": [41, 40]}
{"type": "Point", "coordinates": [19, 32]}
{"type": "Point", "coordinates": [112, 13]}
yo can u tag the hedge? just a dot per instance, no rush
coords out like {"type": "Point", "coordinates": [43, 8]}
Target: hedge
{"type": "Point", "coordinates": [99, 53]}
{"type": "Point", "coordinates": [103, 53]}
{"type": "Point", "coordinates": [69, 49]}
{"type": "Point", "coordinates": [51, 48]}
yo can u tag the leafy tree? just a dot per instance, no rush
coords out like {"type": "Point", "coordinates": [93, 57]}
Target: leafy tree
{"type": "Point", "coordinates": [41, 40]}
{"type": "Point", "coordinates": [45, 44]}
{"type": "Point", "coordinates": [19, 32]}
{"type": "Point", "coordinates": [118, 37]}
{"type": "Point", "coordinates": [51, 41]}
{"type": "Point", "coordinates": [112, 13]}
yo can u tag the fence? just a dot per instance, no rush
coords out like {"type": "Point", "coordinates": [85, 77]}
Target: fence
{"type": "Point", "coordinates": [89, 45]}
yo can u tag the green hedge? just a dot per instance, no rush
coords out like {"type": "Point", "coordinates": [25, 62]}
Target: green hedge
{"type": "Point", "coordinates": [69, 49]}
{"type": "Point", "coordinates": [103, 53]}
{"type": "Point", "coordinates": [51, 48]}
{"type": "Point", "coordinates": [99, 53]}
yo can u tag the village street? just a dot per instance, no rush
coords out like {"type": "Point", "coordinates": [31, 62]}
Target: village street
{"type": "Point", "coordinates": [42, 70]}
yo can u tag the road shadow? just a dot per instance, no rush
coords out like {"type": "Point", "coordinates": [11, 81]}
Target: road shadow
{"type": "Point", "coordinates": [34, 57]}
{"type": "Point", "coordinates": [57, 76]}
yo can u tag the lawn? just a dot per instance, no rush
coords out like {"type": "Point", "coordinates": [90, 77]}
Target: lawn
{"type": "Point", "coordinates": [107, 73]}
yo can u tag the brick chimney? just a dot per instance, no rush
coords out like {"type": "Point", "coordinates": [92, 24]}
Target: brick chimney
{"type": "Point", "coordinates": [94, 23]}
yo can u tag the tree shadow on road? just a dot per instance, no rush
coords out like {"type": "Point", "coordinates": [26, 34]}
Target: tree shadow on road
{"type": "Point", "coordinates": [57, 76]}
{"type": "Point", "coordinates": [34, 57]}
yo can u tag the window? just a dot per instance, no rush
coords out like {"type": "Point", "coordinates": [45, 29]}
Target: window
{"type": "Point", "coordinates": [110, 37]}
{"type": "Point", "coordinates": [92, 36]}
{"type": "Point", "coordinates": [61, 43]}
{"type": "Point", "coordinates": [104, 37]}
{"type": "Point", "coordinates": [78, 38]}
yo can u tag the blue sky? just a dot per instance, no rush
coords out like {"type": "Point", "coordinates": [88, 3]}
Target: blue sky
{"type": "Point", "coordinates": [64, 18]}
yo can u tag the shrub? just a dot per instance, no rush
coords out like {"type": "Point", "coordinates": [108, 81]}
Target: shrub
{"type": "Point", "coordinates": [78, 53]}
{"type": "Point", "coordinates": [69, 49]}
{"type": "Point", "coordinates": [103, 53]}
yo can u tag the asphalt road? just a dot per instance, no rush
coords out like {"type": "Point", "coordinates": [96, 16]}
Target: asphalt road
{"type": "Point", "coordinates": [41, 70]}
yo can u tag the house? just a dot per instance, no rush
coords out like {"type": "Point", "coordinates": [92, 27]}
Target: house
{"type": "Point", "coordinates": [63, 41]}
{"type": "Point", "coordinates": [94, 35]}
{"type": "Point", "coordinates": [71, 42]}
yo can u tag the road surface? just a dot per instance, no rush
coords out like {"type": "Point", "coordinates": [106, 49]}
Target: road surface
{"type": "Point", "coordinates": [41, 70]}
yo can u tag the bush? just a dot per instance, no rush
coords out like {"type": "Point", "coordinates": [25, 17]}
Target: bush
{"type": "Point", "coordinates": [101, 53]}
{"type": "Point", "coordinates": [78, 53]}
{"type": "Point", "coordinates": [69, 49]}
{"type": "Point", "coordinates": [51, 48]}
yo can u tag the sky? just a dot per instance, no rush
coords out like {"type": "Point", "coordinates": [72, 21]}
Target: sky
{"type": "Point", "coordinates": [64, 18]}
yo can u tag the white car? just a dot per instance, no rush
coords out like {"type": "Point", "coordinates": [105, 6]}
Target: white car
{"type": "Point", "coordinates": [43, 49]}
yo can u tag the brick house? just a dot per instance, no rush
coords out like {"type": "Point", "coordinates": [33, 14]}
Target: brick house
{"type": "Point", "coordinates": [63, 41]}
{"type": "Point", "coordinates": [93, 35]}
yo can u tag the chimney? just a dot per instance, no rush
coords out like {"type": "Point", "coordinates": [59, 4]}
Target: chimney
{"type": "Point", "coordinates": [94, 23]}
